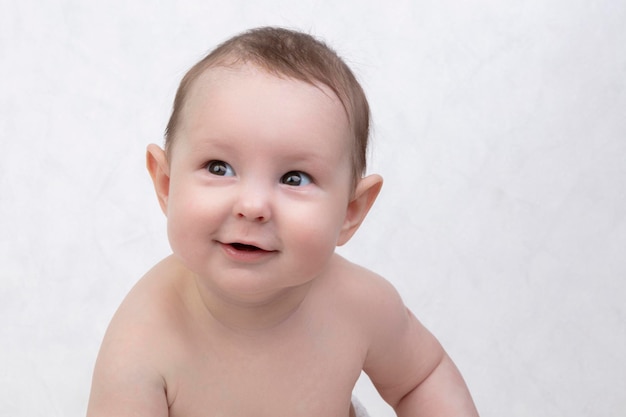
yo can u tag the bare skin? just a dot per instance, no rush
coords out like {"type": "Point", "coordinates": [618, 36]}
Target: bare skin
{"type": "Point", "coordinates": [165, 355]}
{"type": "Point", "coordinates": [202, 368]}
{"type": "Point", "coordinates": [254, 314]}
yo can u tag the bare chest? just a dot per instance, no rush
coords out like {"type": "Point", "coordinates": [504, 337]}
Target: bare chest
{"type": "Point", "coordinates": [305, 376]}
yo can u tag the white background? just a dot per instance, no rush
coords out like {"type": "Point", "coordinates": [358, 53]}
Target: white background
{"type": "Point", "coordinates": [499, 127]}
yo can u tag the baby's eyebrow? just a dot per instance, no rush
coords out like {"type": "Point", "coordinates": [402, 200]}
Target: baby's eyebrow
{"type": "Point", "coordinates": [309, 158]}
{"type": "Point", "coordinates": [211, 143]}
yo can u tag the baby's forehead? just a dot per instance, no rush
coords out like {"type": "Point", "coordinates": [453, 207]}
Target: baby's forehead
{"type": "Point", "coordinates": [219, 73]}
{"type": "Point", "coordinates": [263, 83]}
{"type": "Point", "coordinates": [244, 87]}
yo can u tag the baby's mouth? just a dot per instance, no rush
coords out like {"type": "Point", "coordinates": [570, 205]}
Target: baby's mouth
{"type": "Point", "coordinates": [244, 247]}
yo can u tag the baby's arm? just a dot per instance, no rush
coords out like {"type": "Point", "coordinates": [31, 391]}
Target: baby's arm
{"type": "Point", "coordinates": [121, 388]}
{"type": "Point", "coordinates": [409, 367]}
{"type": "Point", "coordinates": [126, 381]}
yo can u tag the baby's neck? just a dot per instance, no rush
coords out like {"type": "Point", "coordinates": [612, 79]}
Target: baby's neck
{"type": "Point", "coordinates": [252, 318]}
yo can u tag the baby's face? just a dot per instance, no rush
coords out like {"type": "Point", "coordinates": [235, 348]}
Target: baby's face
{"type": "Point", "coordinates": [260, 179]}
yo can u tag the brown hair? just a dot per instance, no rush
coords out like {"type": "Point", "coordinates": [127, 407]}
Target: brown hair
{"type": "Point", "coordinates": [292, 54]}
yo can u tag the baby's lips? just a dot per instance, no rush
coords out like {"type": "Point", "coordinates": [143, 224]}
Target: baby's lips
{"type": "Point", "coordinates": [249, 246]}
{"type": "Point", "coordinates": [245, 247]}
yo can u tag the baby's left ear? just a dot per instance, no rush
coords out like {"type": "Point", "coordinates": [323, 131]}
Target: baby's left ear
{"type": "Point", "coordinates": [364, 196]}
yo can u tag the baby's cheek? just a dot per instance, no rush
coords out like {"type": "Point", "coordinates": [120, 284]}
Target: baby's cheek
{"type": "Point", "coordinates": [185, 230]}
{"type": "Point", "coordinates": [318, 235]}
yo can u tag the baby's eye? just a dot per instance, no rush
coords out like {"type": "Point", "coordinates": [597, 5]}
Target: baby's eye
{"type": "Point", "coordinates": [220, 168]}
{"type": "Point", "coordinates": [296, 179]}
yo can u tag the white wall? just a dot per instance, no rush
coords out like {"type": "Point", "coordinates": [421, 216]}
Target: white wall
{"type": "Point", "coordinates": [500, 128]}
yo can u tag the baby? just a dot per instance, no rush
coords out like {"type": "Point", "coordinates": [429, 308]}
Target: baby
{"type": "Point", "coordinates": [254, 314]}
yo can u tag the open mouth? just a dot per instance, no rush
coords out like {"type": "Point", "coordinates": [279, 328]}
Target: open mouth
{"type": "Point", "coordinates": [244, 247]}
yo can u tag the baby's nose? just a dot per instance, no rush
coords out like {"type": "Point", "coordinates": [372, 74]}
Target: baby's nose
{"type": "Point", "coordinates": [254, 204]}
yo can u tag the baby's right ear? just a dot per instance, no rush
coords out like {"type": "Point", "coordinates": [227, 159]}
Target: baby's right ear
{"type": "Point", "coordinates": [159, 169]}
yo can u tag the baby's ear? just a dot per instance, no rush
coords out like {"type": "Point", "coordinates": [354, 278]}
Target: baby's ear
{"type": "Point", "coordinates": [158, 167]}
{"type": "Point", "coordinates": [364, 196]}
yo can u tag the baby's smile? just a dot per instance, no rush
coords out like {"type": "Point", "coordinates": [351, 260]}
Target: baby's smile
{"type": "Point", "coordinates": [244, 247]}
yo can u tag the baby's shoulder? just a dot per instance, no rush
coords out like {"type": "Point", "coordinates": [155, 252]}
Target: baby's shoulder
{"type": "Point", "coordinates": [358, 278]}
{"type": "Point", "coordinates": [363, 291]}
{"type": "Point", "coordinates": [154, 310]}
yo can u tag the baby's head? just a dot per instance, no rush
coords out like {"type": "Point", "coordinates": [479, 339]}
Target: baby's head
{"type": "Point", "coordinates": [264, 156]}
{"type": "Point", "coordinates": [289, 54]}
